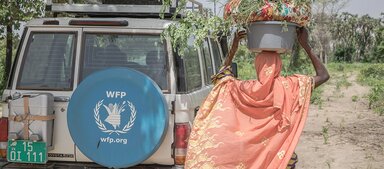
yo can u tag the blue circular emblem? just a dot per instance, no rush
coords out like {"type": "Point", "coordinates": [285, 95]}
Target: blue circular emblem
{"type": "Point", "coordinates": [117, 117]}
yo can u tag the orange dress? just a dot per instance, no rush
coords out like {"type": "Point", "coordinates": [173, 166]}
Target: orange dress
{"type": "Point", "coordinates": [253, 124]}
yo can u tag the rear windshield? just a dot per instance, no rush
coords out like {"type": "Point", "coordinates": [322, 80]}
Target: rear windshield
{"type": "Point", "coordinates": [48, 62]}
{"type": "Point", "coordinates": [144, 53]}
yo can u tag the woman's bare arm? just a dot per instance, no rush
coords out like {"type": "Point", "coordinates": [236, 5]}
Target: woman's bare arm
{"type": "Point", "coordinates": [235, 45]}
{"type": "Point", "coordinates": [321, 72]}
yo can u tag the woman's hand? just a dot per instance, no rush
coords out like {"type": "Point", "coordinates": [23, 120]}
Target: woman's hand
{"type": "Point", "coordinates": [303, 36]}
{"type": "Point", "coordinates": [239, 35]}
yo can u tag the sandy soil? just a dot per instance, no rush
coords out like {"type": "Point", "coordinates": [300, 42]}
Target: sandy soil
{"type": "Point", "coordinates": [343, 134]}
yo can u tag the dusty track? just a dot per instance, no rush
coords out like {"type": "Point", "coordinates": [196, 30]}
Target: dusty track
{"type": "Point", "coordinates": [344, 133]}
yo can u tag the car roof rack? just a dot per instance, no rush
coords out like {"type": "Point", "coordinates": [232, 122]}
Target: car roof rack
{"type": "Point", "coordinates": [139, 9]}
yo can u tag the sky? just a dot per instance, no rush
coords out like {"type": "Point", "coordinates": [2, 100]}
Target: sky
{"type": "Point", "coordinates": [360, 7]}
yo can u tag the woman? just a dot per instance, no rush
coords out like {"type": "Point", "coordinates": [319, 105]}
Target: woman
{"type": "Point", "coordinates": [254, 123]}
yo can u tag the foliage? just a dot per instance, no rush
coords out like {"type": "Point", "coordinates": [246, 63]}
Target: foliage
{"type": "Point", "coordinates": [378, 50]}
{"type": "Point", "coordinates": [293, 63]}
{"type": "Point", "coordinates": [342, 81]}
{"type": "Point", "coordinates": [2, 59]}
{"type": "Point", "coordinates": [376, 98]}
{"type": "Point", "coordinates": [344, 67]}
{"type": "Point", "coordinates": [355, 37]}
{"type": "Point", "coordinates": [324, 12]}
{"type": "Point", "coordinates": [325, 134]}
{"type": "Point", "coordinates": [373, 75]}
{"type": "Point", "coordinates": [85, 1]}
{"type": "Point", "coordinates": [296, 63]}
{"type": "Point", "coordinates": [14, 12]}
{"type": "Point", "coordinates": [316, 97]}
{"type": "Point", "coordinates": [2, 66]}
{"type": "Point", "coordinates": [344, 54]}
{"type": "Point", "coordinates": [355, 98]}
{"type": "Point", "coordinates": [244, 59]}
{"type": "Point", "coordinates": [197, 26]}
{"type": "Point", "coordinates": [202, 24]}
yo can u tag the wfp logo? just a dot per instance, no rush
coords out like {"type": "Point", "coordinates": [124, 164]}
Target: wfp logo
{"type": "Point", "coordinates": [116, 113]}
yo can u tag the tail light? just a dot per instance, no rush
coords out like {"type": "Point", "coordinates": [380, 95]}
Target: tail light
{"type": "Point", "coordinates": [3, 137]}
{"type": "Point", "coordinates": [182, 132]}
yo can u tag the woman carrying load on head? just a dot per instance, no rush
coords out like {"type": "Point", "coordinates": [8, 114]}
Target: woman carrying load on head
{"type": "Point", "coordinates": [253, 124]}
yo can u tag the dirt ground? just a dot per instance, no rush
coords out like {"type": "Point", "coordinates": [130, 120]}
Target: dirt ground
{"type": "Point", "coordinates": [344, 133]}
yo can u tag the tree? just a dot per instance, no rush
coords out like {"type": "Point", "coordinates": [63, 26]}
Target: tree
{"type": "Point", "coordinates": [354, 37]}
{"type": "Point", "coordinates": [378, 50]}
{"type": "Point", "coordinates": [343, 31]}
{"type": "Point", "coordinates": [324, 14]}
{"type": "Point", "coordinates": [12, 13]}
{"type": "Point", "coordinates": [366, 36]}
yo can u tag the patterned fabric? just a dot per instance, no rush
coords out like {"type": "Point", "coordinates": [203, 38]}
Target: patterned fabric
{"type": "Point", "coordinates": [250, 124]}
{"type": "Point", "coordinates": [223, 72]}
{"type": "Point", "coordinates": [294, 11]}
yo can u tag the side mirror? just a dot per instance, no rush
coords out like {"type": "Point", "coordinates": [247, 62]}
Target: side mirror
{"type": "Point", "coordinates": [234, 69]}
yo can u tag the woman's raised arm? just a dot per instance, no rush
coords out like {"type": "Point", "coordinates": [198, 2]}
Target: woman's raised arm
{"type": "Point", "coordinates": [235, 44]}
{"type": "Point", "coordinates": [321, 72]}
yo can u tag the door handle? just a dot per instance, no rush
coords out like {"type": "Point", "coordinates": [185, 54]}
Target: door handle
{"type": "Point", "coordinates": [62, 98]}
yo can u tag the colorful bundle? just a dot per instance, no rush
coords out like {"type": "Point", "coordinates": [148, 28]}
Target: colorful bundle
{"type": "Point", "coordinates": [245, 11]}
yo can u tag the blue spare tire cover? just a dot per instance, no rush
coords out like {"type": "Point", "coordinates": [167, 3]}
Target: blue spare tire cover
{"type": "Point", "coordinates": [117, 117]}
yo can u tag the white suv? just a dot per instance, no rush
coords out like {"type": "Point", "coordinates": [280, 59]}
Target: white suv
{"type": "Point", "coordinates": [55, 57]}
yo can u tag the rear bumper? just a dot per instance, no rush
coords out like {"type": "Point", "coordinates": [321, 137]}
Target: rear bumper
{"type": "Point", "coordinates": [71, 165]}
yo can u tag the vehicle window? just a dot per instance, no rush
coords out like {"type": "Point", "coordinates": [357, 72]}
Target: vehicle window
{"type": "Point", "coordinates": [192, 67]}
{"type": "Point", "coordinates": [207, 62]}
{"type": "Point", "coordinates": [48, 62]}
{"type": "Point", "coordinates": [145, 53]}
{"type": "Point", "coordinates": [216, 54]}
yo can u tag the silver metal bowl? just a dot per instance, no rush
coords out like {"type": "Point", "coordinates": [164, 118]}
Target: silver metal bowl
{"type": "Point", "coordinates": [271, 36]}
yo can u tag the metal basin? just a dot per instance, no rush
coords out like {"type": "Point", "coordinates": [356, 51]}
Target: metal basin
{"type": "Point", "coordinates": [271, 36]}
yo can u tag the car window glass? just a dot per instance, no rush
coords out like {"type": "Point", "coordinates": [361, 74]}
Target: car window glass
{"type": "Point", "coordinates": [216, 54]}
{"type": "Point", "coordinates": [48, 62]}
{"type": "Point", "coordinates": [207, 62]}
{"type": "Point", "coordinates": [144, 53]}
{"type": "Point", "coordinates": [192, 67]}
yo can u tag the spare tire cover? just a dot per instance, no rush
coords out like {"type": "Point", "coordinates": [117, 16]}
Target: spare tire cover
{"type": "Point", "coordinates": [117, 117]}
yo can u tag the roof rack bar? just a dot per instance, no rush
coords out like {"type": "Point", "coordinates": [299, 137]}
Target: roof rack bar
{"type": "Point", "coordinates": [92, 8]}
{"type": "Point", "coordinates": [200, 5]}
{"type": "Point", "coordinates": [117, 9]}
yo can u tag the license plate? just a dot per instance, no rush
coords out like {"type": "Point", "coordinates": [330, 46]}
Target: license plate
{"type": "Point", "coordinates": [25, 151]}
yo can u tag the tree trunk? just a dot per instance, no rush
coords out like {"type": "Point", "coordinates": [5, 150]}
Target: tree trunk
{"type": "Point", "coordinates": [321, 54]}
{"type": "Point", "coordinates": [8, 56]}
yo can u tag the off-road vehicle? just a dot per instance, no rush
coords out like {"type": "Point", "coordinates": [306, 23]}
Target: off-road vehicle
{"type": "Point", "coordinates": [103, 87]}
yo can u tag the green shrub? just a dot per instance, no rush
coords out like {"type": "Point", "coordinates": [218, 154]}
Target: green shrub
{"type": "Point", "coordinates": [355, 98]}
{"type": "Point", "coordinates": [244, 60]}
{"type": "Point", "coordinates": [316, 97]}
{"type": "Point", "coordinates": [376, 98]}
{"type": "Point", "coordinates": [373, 75]}
{"type": "Point", "coordinates": [342, 81]}
{"type": "Point", "coordinates": [344, 54]}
